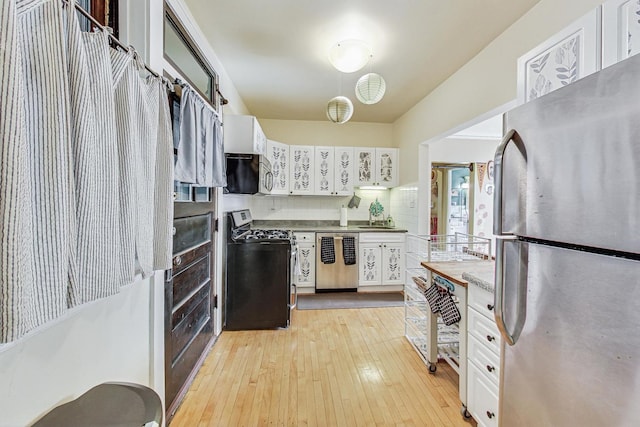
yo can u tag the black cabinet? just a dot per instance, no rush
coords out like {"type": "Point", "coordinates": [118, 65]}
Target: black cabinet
{"type": "Point", "coordinates": [189, 306]}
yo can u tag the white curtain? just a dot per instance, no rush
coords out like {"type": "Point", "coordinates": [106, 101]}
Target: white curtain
{"type": "Point", "coordinates": [201, 158]}
{"type": "Point", "coordinates": [85, 174]}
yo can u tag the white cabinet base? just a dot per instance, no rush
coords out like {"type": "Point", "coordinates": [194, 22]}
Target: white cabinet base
{"type": "Point", "coordinates": [484, 406]}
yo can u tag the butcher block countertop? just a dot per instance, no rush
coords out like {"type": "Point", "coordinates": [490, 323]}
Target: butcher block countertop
{"type": "Point", "coordinates": [453, 270]}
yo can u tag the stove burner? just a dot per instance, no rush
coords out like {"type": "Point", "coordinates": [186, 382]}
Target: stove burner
{"type": "Point", "coordinates": [258, 234]}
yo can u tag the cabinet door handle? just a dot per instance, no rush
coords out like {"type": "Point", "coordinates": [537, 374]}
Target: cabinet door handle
{"type": "Point", "coordinates": [490, 338]}
{"type": "Point", "coordinates": [490, 368]}
{"type": "Point", "coordinates": [490, 307]}
{"type": "Point", "coordinates": [490, 414]}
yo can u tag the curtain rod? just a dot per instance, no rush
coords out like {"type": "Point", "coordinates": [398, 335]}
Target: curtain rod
{"type": "Point", "coordinates": [113, 38]}
{"type": "Point", "coordinates": [103, 28]}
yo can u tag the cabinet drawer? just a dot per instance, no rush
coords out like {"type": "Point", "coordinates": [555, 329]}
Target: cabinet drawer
{"type": "Point", "coordinates": [188, 280]}
{"type": "Point", "coordinates": [305, 237]}
{"type": "Point", "coordinates": [484, 330]}
{"type": "Point", "coordinates": [189, 232]}
{"type": "Point", "coordinates": [484, 358]}
{"type": "Point", "coordinates": [180, 262]}
{"type": "Point", "coordinates": [187, 307]}
{"type": "Point", "coordinates": [481, 300]}
{"type": "Point", "coordinates": [482, 398]}
{"type": "Point", "coordinates": [189, 327]}
{"type": "Point", "coordinates": [382, 237]}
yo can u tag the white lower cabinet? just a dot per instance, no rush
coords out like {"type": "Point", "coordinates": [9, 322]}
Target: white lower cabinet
{"type": "Point", "coordinates": [381, 261]}
{"type": "Point", "coordinates": [306, 280]}
{"type": "Point", "coordinates": [483, 357]}
{"type": "Point", "coordinates": [482, 397]}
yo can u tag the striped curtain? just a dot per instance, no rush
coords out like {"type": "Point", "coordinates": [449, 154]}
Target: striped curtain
{"type": "Point", "coordinates": [81, 199]}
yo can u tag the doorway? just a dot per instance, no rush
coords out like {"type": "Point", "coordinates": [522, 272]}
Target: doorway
{"type": "Point", "coordinates": [451, 198]}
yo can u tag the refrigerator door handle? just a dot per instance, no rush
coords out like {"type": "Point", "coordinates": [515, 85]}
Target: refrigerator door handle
{"type": "Point", "coordinates": [511, 337]}
{"type": "Point", "coordinates": [497, 200]}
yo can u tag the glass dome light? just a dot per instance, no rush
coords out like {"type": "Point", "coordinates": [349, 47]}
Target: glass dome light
{"type": "Point", "coordinates": [339, 109]}
{"type": "Point", "coordinates": [370, 88]}
{"type": "Point", "coordinates": [349, 56]}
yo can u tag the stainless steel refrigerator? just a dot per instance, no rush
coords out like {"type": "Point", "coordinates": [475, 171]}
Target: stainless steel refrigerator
{"type": "Point", "coordinates": [567, 216]}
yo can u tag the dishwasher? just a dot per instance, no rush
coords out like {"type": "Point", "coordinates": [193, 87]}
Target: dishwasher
{"type": "Point", "coordinates": [337, 275]}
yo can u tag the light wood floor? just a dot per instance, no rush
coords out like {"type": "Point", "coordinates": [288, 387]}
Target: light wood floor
{"type": "Point", "coordinates": [329, 368]}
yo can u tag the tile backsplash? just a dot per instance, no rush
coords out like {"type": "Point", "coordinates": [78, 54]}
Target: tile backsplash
{"type": "Point", "coordinates": [400, 202]}
{"type": "Point", "coordinates": [404, 207]}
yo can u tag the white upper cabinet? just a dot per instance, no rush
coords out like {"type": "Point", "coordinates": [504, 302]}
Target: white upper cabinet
{"type": "Point", "coordinates": [333, 172]}
{"type": "Point", "coordinates": [620, 30]}
{"type": "Point", "coordinates": [324, 171]}
{"type": "Point", "coordinates": [243, 134]}
{"type": "Point", "coordinates": [566, 57]}
{"type": "Point", "coordinates": [376, 166]}
{"type": "Point", "coordinates": [301, 169]}
{"type": "Point", "coordinates": [278, 155]}
{"type": "Point", "coordinates": [344, 171]}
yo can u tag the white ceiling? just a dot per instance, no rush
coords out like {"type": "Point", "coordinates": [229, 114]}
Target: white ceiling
{"type": "Point", "coordinates": [276, 51]}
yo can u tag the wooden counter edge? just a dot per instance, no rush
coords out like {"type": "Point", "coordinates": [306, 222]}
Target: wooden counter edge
{"type": "Point", "coordinates": [452, 270]}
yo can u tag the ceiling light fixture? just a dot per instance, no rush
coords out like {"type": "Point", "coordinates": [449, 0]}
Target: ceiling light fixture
{"type": "Point", "coordinates": [339, 109]}
{"type": "Point", "coordinates": [370, 88]}
{"type": "Point", "coordinates": [349, 56]}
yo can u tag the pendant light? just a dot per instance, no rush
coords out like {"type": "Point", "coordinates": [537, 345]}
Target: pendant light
{"type": "Point", "coordinates": [339, 109]}
{"type": "Point", "coordinates": [370, 88]}
{"type": "Point", "coordinates": [349, 56]}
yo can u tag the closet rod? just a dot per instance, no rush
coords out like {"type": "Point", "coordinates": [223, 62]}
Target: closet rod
{"type": "Point", "coordinates": [103, 28]}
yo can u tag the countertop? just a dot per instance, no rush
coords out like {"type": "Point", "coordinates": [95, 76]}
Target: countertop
{"type": "Point", "coordinates": [464, 272]}
{"type": "Point", "coordinates": [482, 279]}
{"type": "Point", "coordinates": [323, 227]}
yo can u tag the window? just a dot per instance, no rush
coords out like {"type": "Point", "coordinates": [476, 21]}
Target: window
{"type": "Point", "coordinates": [183, 55]}
{"type": "Point", "coordinates": [104, 11]}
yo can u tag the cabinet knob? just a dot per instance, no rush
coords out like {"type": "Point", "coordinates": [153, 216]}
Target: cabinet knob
{"type": "Point", "coordinates": [490, 338]}
{"type": "Point", "coordinates": [379, 246]}
{"type": "Point", "coordinates": [490, 307]}
{"type": "Point", "coordinates": [490, 368]}
{"type": "Point", "coordinates": [490, 414]}
{"type": "Point", "coordinates": [177, 261]}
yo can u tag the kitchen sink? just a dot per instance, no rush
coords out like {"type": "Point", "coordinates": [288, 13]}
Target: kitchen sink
{"type": "Point", "coordinates": [385, 227]}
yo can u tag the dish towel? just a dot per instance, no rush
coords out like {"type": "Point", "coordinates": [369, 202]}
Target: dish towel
{"type": "Point", "coordinates": [349, 250]}
{"type": "Point", "coordinates": [327, 250]}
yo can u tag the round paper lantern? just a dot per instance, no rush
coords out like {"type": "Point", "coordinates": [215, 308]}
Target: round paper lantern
{"type": "Point", "coordinates": [370, 88]}
{"type": "Point", "coordinates": [339, 109]}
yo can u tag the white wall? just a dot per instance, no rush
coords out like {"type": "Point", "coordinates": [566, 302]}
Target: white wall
{"type": "Point", "coordinates": [107, 340]}
{"type": "Point", "coordinates": [482, 85]}
{"type": "Point", "coordinates": [301, 132]}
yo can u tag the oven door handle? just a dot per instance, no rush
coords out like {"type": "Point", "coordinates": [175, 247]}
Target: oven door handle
{"type": "Point", "coordinates": [295, 297]}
